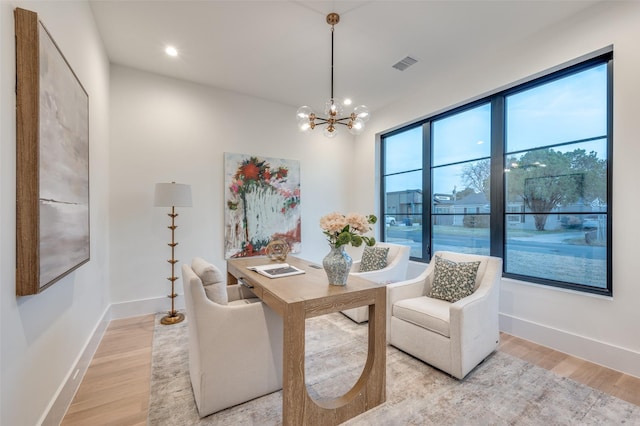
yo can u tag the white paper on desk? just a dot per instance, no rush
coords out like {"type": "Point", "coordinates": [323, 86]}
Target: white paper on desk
{"type": "Point", "coordinates": [276, 270]}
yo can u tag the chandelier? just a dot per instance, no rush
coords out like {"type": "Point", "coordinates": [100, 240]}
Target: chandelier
{"type": "Point", "coordinates": [334, 113]}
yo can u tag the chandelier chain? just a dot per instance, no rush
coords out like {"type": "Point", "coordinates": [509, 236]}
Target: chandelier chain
{"type": "Point", "coordinates": [332, 61]}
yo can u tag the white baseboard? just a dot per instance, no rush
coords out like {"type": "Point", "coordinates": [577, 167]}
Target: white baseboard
{"type": "Point", "coordinates": [60, 403]}
{"type": "Point", "coordinates": [605, 354]}
{"type": "Point", "coordinates": [136, 308]}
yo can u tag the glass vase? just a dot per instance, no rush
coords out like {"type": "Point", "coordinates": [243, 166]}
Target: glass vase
{"type": "Point", "coordinates": [337, 265]}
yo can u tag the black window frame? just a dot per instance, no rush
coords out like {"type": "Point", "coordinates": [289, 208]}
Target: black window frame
{"type": "Point", "coordinates": [499, 214]}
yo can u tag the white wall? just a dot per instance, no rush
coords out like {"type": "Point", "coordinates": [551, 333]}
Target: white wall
{"type": "Point", "coordinates": [165, 130]}
{"type": "Point", "coordinates": [146, 129]}
{"type": "Point", "coordinates": [43, 335]}
{"type": "Point", "coordinates": [603, 330]}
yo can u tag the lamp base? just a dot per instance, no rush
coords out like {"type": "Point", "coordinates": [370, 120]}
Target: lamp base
{"type": "Point", "coordinates": [172, 318]}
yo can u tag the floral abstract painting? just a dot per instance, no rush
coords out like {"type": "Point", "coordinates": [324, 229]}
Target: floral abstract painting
{"type": "Point", "coordinates": [262, 203]}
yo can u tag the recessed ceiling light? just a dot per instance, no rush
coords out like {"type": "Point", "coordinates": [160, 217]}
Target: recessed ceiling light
{"type": "Point", "coordinates": [171, 51]}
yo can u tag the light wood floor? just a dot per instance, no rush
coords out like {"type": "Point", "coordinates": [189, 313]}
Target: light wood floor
{"type": "Point", "coordinates": [115, 389]}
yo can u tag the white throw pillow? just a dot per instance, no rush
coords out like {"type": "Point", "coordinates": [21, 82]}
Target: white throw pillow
{"type": "Point", "coordinates": [212, 280]}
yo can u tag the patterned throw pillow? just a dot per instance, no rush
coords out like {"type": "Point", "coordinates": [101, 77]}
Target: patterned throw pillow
{"type": "Point", "coordinates": [453, 280]}
{"type": "Point", "coordinates": [374, 258]}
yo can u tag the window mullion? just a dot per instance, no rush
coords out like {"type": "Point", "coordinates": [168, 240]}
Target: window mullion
{"type": "Point", "coordinates": [498, 218]}
{"type": "Point", "coordinates": [427, 197]}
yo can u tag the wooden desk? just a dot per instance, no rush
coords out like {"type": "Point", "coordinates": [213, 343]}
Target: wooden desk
{"type": "Point", "coordinates": [299, 297]}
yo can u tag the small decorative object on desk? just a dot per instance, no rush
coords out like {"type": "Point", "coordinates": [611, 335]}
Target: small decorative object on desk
{"type": "Point", "coordinates": [277, 250]}
{"type": "Point", "coordinates": [341, 230]}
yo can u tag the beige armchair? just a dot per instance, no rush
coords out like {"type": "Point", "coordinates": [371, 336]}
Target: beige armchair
{"type": "Point", "coordinates": [235, 349]}
{"type": "Point", "coordinates": [396, 270]}
{"type": "Point", "coordinates": [453, 337]}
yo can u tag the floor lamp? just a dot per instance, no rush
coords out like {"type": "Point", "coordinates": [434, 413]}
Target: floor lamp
{"type": "Point", "coordinates": [172, 195]}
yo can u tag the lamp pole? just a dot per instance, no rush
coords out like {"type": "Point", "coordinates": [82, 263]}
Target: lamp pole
{"type": "Point", "coordinates": [173, 317]}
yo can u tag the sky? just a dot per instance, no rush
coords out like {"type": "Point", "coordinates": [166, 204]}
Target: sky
{"type": "Point", "coordinates": [571, 108]}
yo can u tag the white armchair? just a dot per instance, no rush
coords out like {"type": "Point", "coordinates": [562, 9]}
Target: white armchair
{"type": "Point", "coordinates": [396, 270]}
{"type": "Point", "coordinates": [453, 337]}
{"type": "Point", "coordinates": [235, 350]}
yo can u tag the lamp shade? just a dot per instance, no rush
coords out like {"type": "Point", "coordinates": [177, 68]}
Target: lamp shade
{"type": "Point", "coordinates": [172, 195]}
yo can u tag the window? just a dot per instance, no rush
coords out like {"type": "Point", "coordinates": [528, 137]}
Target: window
{"type": "Point", "coordinates": [402, 184]}
{"type": "Point", "coordinates": [523, 174]}
{"type": "Point", "coordinates": [556, 173]}
{"type": "Point", "coordinates": [461, 149]}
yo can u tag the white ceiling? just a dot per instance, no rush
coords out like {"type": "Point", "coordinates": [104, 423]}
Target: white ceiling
{"type": "Point", "coordinates": [280, 50]}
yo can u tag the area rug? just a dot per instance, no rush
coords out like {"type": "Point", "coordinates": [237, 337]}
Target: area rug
{"type": "Point", "coordinates": [503, 390]}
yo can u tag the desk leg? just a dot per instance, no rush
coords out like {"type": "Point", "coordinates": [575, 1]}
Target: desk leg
{"type": "Point", "coordinates": [294, 391]}
{"type": "Point", "coordinates": [378, 346]}
{"type": "Point", "coordinates": [231, 279]}
{"type": "Point", "coordinates": [298, 407]}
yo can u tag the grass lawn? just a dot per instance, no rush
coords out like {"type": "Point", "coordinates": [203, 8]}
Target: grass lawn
{"type": "Point", "coordinates": [549, 265]}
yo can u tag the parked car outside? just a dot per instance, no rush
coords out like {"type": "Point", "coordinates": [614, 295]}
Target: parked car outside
{"type": "Point", "coordinates": [389, 220]}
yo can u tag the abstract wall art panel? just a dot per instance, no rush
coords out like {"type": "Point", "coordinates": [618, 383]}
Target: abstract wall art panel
{"type": "Point", "coordinates": [52, 164]}
{"type": "Point", "coordinates": [262, 203]}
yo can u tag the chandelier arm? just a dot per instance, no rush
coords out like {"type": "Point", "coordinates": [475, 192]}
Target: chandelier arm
{"type": "Point", "coordinates": [321, 120]}
{"type": "Point", "coordinates": [338, 120]}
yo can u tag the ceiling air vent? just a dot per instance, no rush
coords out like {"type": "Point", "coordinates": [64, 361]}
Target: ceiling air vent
{"type": "Point", "coordinates": [404, 63]}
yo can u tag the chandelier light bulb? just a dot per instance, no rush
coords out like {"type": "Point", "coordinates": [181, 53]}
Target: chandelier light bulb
{"type": "Point", "coordinates": [362, 112]}
{"type": "Point", "coordinates": [356, 127]}
{"type": "Point", "coordinates": [304, 125]}
{"type": "Point", "coordinates": [304, 112]}
{"type": "Point", "coordinates": [333, 108]}
{"type": "Point", "coordinates": [330, 131]}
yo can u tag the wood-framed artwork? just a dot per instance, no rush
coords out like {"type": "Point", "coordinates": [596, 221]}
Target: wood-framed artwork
{"type": "Point", "coordinates": [262, 204]}
{"type": "Point", "coordinates": [52, 160]}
